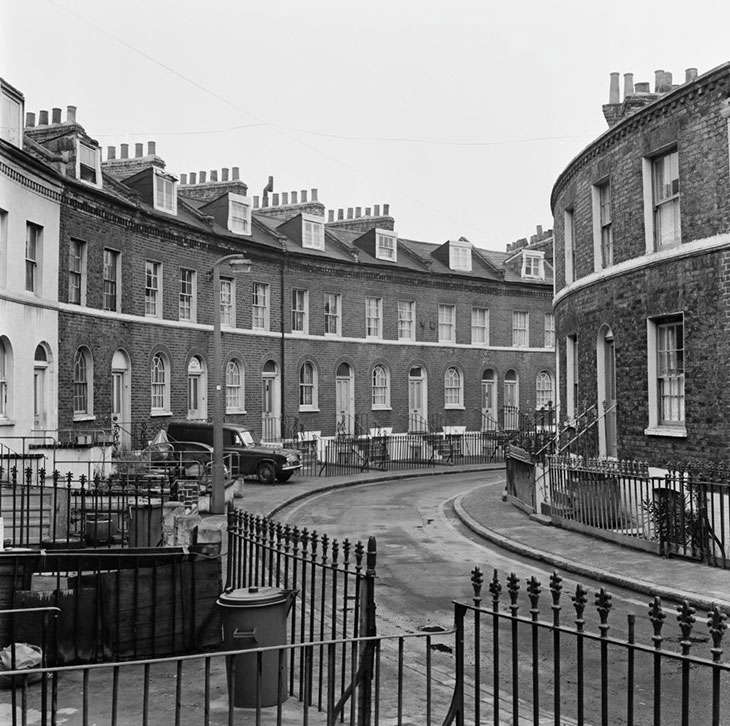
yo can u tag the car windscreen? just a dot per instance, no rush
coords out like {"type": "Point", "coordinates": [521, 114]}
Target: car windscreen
{"type": "Point", "coordinates": [243, 438]}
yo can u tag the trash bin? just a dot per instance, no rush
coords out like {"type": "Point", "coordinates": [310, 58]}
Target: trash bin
{"type": "Point", "coordinates": [145, 522]}
{"type": "Point", "coordinates": [255, 617]}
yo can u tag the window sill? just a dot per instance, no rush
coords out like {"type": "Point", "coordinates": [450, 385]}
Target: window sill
{"type": "Point", "coordinates": [153, 412]}
{"type": "Point", "coordinates": [678, 432]}
{"type": "Point", "coordinates": [83, 417]}
{"type": "Point", "coordinates": [454, 407]}
{"type": "Point", "coordinates": [7, 422]}
{"type": "Point", "coordinates": [309, 409]}
{"type": "Point", "coordinates": [382, 408]}
{"type": "Point", "coordinates": [233, 411]}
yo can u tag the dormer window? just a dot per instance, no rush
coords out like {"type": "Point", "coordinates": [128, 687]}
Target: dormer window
{"type": "Point", "coordinates": [239, 214]}
{"type": "Point", "coordinates": [11, 115]}
{"type": "Point", "coordinates": [532, 265]}
{"type": "Point", "coordinates": [460, 256]}
{"type": "Point", "coordinates": [386, 246]}
{"type": "Point", "coordinates": [312, 232]}
{"type": "Point", "coordinates": [165, 192]}
{"type": "Point", "coordinates": [88, 163]}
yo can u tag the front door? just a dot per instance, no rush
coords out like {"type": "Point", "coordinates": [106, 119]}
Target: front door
{"type": "Point", "coordinates": [270, 425]}
{"type": "Point", "coordinates": [609, 352]}
{"type": "Point", "coordinates": [344, 401]}
{"type": "Point", "coordinates": [121, 400]}
{"type": "Point", "coordinates": [417, 403]}
{"type": "Point", "coordinates": [511, 398]}
{"type": "Point", "coordinates": [489, 401]}
{"type": "Point", "coordinates": [40, 394]}
{"type": "Point", "coordinates": [196, 390]}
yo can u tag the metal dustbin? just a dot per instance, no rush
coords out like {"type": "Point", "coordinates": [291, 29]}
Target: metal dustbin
{"type": "Point", "coordinates": [255, 617]}
{"type": "Point", "coordinates": [145, 522]}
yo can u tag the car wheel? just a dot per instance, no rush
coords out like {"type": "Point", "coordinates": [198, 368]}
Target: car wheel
{"type": "Point", "coordinates": [266, 472]}
{"type": "Point", "coordinates": [284, 476]}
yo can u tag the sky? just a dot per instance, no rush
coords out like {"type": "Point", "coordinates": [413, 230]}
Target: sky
{"type": "Point", "coordinates": [460, 115]}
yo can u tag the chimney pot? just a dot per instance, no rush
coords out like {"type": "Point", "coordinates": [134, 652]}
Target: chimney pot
{"type": "Point", "coordinates": [275, 199]}
{"type": "Point", "coordinates": [183, 180]}
{"type": "Point", "coordinates": [43, 118]}
{"type": "Point", "coordinates": [124, 151]}
{"type": "Point", "coordinates": [386, 210]}
{"type": "Point", "coordinates": [690, 75]}
{"type": "Point", "coordinates": [152, 148]}
{"type": "Point", "coordinates": [214, 175]}
{"type": "Point", "coordinates": [193, 177]}
{"type": "Point", "coordinates": [294, 197]}
{"type": "Point", "coordinates": [138, 151]}
{"type": "Point", "coordinates": [304, 196]}
{"type": "Point", "coordinates": [236, 172]}
{"type": "Point", "coordinates": [367, 211]}
{"type": "Point", "coordinates": [358, 211]}
{"type": "Point", "coordinates": [350, 211]}
{"type": "Point", "coordinates": [71, 114]}
{"type": "Point", "coordinates": [642, 87]}
{"type": "Point", "coordinates": [56, 115]}
{"type": "Point", "coordinates": [377, 210]}
{"type": "Point", "coordinates": [111, 152]}
{"type": "Point", "coordinates": [539, 231]}
{"type": "Point", "coordinates": [340, 214]}
{"type": "Point", "coordinates": [30, 119]}
{"type": "Point", "coordinates": [224, 173]}
{"type": "Point", "coordinates": [613, 92]}
{"type": "Point", "coordinates": [628, 85]}
{"type": "Point", "coordinates": [666, 81]}
{"type": "Point", "coordinates": [285, 198]}
{"type": "Point", "coordinates": [314, 195]}
{"type": "Point", "coordinates": [658, 76]}
{"type": "Point", "coordinates": [256, 202]}
{"type": "Point", "coordinates": [203, 176]}
{"type": "Point", "coordinates": [330, 215]}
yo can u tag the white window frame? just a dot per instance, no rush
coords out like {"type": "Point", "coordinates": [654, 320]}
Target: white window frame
{"type": "Point", "coordinates": [571, 376]}
{"type": "Point", "coordinates": [308, 389]}
{"type": "Point", "coordinates": [406, 320]}
{"type": "Point", "coordinates": [11, 117]}
{"type": "Point", "coordinates": [160, 385]}
{"type": "Point", "coordinates": [86, 153]}
{"type": "Point", "coordinates": [235, 389]}
{"type": "Point", "coordinates": [374, 317]}
{"type": "Point", "coordinates": [228, 302]}
{"type": "Point", "coordinates": [447, 323]}
{"type": "Point", "coordinates": [83, 382]}
{"type": "Point", "coordinates": [549, 328]}
{"type": "Point", "coordinates": [260, 306]}
{"type": "Point", "coordinates": [164, 192]}
{"type": "Point", "coordinates": [480, 326]}
{"type": "Point", "coordinates": [460, 256]}
{"type": "Point", "coordinates": [386, 245]}
{"type": "Point", "coordinates": [33, 258]}
{"type": "Point", "coordinates": [544, 394]}
{"type": "Point", "coordinates": [188, 296]}
{"type": "Point", "coordinates": [602, 225]}
{"type": "Point", "coordinates": [115, 256]}
{"type": "Point", "coordinates": [380, 388]}
{"type": "Point", "coordinates": [312, 232]}
{"type": "Point", "coordinates": [657, 202]}
{"type": "Point", "coordinates": [533, 267]}
{"type": "Point", "coordinates": [333, 316]}
{"type": "Point", "coordinates": [152, 289]}
{"type": "Point", "coordinates": [520, 329]}
{"type": "Point", "coordinates": [657, 357]}
{"type": "Point", "coordinates": [453, 388]}
{"type": "Point", "coordinates": [569, 245]}
{"type": "Point", "coordinates": [6, 369]}
{"type": "Point", "coordinates": [239, 214]}
{"type": "Point", "coordinates": [77, 271]}
{"type": "Point", "coordinates": [300, 311]}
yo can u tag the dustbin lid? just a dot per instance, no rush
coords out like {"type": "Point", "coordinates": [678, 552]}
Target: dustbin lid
{"type": "Point", "coordinates": [252, 596]}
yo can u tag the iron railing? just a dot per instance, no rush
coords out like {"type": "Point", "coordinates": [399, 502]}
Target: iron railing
{"type": "Point", "coordinates": [684, 513]}
{"type": "Point", "coordinates": [530, 669]}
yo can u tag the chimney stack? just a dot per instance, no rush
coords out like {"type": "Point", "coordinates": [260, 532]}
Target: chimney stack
{"type": "Point", "coordinates": [193, 178]}
{"type": "Point", "coordinates": [214, 175]}
{"type": "Point", "coordinates": [138, 151]}
{"type": "Point", "coordinates": [124, 151]}
{"type": "Point", "coordinates": [613, 92]}
{"type": "Point", "coordinates": [235, 172]}
{"type": "Point", "coordinates": [224, 174]}
{"type": "Point", "coordinates": [30, 119]}
{"type": "Point", "coordinates": [183, 180]}
{"type": "Point", "coordinates": [285, 198]}
{"type": "Point", "coordinates": [71, 114]}
{"type": "Point", "coordinates": [304, 196]}
{"type": "Point", "coordinates": [330, 215]}
{"type": "Point", "coordinates": [56, 115]}
{"type": "Point", "coordinates": [151, 148]}
{"type": "Point", "coordinates": [628, 85]}
{"type": "Point", "coordinates": [111, 152]}
{"type": "Point", "coordinates": [203, 176]}
{"type": "Point", "coordinates": [43, 118]}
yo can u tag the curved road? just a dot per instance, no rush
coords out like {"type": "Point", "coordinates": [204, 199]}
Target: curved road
{"type": "Point", "coordinates": [425, 559]}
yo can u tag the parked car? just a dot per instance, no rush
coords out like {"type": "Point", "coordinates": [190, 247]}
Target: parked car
{"type": "Point", "coordinates": [246, 456]}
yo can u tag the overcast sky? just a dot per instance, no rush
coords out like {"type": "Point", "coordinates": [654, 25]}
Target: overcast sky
{"type": "Point", "coordinates": [459, 114]}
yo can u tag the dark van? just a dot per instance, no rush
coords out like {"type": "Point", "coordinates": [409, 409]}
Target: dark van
{"type": "Point", "coordinates": [244, 455]}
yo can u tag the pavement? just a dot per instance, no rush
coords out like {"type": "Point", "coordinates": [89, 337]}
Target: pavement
{"type": "Point", "coordinates": [500, 522]}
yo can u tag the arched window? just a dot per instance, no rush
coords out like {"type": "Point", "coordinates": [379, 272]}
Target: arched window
{"type": "Point", "coordinates": [5, 368]}
{"type": "Point", "coordinates": [83, 382]}
{"type": "Point", "coordinates": [453, 388]}
{"type": "Point", "coordinates": [307, 386]}
{"type": "Point", "coordinates": [160, 384]}
{"type": "Point", "coordinates": [381, 387]}
{"type": "Point", "coordinates": [234, 386]}
{"type": "Point", "coordinates": [543, 390]}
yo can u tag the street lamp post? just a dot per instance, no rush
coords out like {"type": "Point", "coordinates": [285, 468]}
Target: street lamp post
{"type": "Point", "coordinates": [218, 491]}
